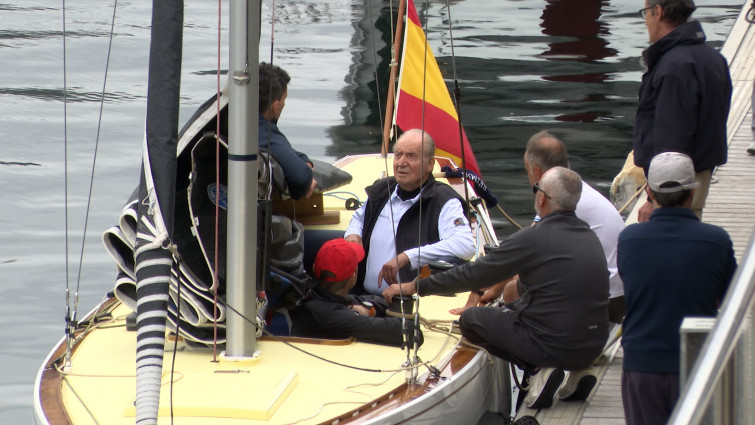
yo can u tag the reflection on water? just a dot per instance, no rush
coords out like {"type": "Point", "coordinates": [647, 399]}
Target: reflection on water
{"type": "Point", "coordinates": [569, 66]}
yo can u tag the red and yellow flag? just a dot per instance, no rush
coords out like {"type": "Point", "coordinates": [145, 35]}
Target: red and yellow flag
{"type": "Point", "coordinates": [421, 86]}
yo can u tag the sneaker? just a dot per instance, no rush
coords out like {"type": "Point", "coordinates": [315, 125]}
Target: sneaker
{"type": "Point", "coordinates": [542, 387]}
{"type": "Point", "coordinates": [578, 385]}
{"type": "Point", "coordinates": [751, 148]}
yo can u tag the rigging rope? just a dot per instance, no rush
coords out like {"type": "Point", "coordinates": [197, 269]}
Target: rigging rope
{"type": "Point", "coordinates": [72, 309]}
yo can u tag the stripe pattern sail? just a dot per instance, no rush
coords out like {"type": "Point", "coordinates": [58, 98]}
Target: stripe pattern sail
{"type": "Point", "coordinates": [423, 100]}
{"type": "Point", "coordinates": [153, 263]}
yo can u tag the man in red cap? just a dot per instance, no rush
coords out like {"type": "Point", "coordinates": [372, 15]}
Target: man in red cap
{"type": "Point", "coordinates": [329, 311]}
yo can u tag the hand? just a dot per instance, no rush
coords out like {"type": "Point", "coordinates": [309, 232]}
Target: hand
{"type": "Point", "coordinates": [389, 272]}
{"type": "Point", "coordinates": [644, 212]}
{"type": "Point", "coordinates": [408, 288]}
{"type": "Point", "coordinates": [354, 238]}
{"type": "Point", "coordinates": [490, 294]}
{"type": "Point", "coordinates": [311, 189]}
{"type": "Point", "coordinates": [472, 301]}
{"type": "Point", "coordinates": [361, 310]}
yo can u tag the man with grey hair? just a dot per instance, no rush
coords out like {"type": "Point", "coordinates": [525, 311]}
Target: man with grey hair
{"type": "Point", "coordinates": [545, 151]}
{"type": "Point", "coordinates": [561, 321]}
{"type": "Point", "coordinates": [684, 96]}
{"type": "Point", "coordinates": [673, 266]}
{"type": "Point", "coordinates": [412, 199]}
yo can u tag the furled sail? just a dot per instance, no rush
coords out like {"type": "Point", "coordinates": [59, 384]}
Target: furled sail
{"type": "Point", "coordinates": [423, 100]}
{"type": "Point", "coordinates": [153, 261]}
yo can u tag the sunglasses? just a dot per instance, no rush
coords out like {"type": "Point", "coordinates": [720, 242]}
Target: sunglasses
{"type": "Point", "coordinates": [536, 188]}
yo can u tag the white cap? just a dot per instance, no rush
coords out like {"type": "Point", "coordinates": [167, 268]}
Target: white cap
{"type": "Point", "coordinates": [671, 172]}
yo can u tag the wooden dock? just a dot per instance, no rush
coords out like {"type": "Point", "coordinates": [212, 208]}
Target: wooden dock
{"type": "Point", "coordinates": [730, 204]}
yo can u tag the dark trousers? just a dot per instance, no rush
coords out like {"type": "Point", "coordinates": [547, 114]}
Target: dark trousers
{"type": "Point", "coordinates": [499, 332]}
{"type": "Point", "coordinates": [648, 398]}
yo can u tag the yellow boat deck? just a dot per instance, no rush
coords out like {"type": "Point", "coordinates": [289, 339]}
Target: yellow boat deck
{"type": "Point", "coordinates": [224, 391]}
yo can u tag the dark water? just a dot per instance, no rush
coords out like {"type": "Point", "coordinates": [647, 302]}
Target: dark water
{"type": "Point", "coordinates": [569, 66]}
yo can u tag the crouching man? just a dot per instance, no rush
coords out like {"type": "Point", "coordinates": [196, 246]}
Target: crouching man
{"type": "Point", "coordinates": [561, 321]}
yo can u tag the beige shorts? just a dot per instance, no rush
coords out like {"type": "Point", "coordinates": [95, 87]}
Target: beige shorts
{"type": "Point", "coordinates": [701, 192]}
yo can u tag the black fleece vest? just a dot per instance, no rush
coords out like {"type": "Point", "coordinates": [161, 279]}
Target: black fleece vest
{"type": "Point", "coordinates": [433, 196]}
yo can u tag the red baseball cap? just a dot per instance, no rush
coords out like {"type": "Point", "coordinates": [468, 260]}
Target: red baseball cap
{"type": "Point", "coordinates": [339, 257]}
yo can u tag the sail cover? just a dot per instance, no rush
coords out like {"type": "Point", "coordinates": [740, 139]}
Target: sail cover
{"type": "Point", "coordinates": [423, 100]}
{"type": "Point", "coordinates": [153, 262]}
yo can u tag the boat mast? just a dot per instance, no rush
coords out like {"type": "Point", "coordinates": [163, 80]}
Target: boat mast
{"type": "Point", "coordinates": [243, 128]}
{"type": "Point", "coordinates": [390, 100]}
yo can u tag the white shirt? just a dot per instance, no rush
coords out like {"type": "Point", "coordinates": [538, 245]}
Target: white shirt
{"type": "Point", "coordinates": [453, 229]}
{"type": "Point", "coordinates": [599, 213]}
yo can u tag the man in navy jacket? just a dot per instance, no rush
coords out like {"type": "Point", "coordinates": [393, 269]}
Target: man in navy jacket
{"type": "Point", "coordinates": [684, 96]}
{"type": "Point", "coordinates": [297, 168]}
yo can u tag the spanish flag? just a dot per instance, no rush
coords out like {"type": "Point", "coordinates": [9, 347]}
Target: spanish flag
{"type": "Point", "coordinates": [421, 86]}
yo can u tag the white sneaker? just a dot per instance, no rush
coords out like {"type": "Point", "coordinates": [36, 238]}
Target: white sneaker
{"type": "Point", "coordinates": [542, 387]}
{"type": "Point", "coordinates": [751, 148]}
{"type": "Point", "coordinates": [578, 385]}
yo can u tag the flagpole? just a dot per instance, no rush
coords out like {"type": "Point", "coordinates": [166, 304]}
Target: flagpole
{"type": "Point", "coordinates": [392, 81]}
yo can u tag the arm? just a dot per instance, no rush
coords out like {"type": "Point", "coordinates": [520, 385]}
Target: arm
{"type": "Point", "coordinates": [513, 256]}
{"type": "Point", "coordinates": [379, 330]}
{"type": "Point", "coordinates": [455, 238]}
{"type": "Point", "coordinates": [353, 232]}
{"type": "Point", "coordinates": [299, 175]}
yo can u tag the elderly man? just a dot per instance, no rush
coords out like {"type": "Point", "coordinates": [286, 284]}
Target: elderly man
{"type": "Point", "coordinates": [673, 266]}
{"type": "Point", "coordinates": [400, 207]}
{"type": "Point", "coordinates": [684, 96]}
{"type": "Point", "coordinates": [297, 168]}
{"type": "Point", "coordinates": [561, 321]}
{"type": "Point", "coordinates": [330, 312]}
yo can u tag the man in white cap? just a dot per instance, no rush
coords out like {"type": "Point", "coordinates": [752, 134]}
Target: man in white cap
{"type": "Point", "coordinates": [672, 266]}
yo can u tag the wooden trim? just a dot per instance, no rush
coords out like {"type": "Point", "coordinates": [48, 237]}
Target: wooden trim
{"type": "Point", "coordinates": [51, 381]}
{"type": "Point", "coordinates": [302, 340]}
{"type": "Point", "coordinates": [405, 393]}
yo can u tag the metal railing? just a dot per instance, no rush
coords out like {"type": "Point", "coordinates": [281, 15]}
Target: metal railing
{"type": "Point", "coordinates": [731, 341]}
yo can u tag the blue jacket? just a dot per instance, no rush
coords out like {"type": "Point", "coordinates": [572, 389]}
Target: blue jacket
{"type": "Point", "coordinates": [297, 172]}
{"type": "Point", "coordinates": [672, 266]}
{"type": "Point", "coordinates": [684, 100]}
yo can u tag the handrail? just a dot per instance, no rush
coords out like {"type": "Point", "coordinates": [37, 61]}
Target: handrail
{"type": "Point", "coordinates": [719, 345]}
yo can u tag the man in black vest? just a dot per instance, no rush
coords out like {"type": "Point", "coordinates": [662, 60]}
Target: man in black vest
{"type": "Point", "coordinates": [426, 217]}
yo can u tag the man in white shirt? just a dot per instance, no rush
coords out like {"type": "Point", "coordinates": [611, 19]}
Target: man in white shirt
{"type": "Point", "coordinates": [408, 220]}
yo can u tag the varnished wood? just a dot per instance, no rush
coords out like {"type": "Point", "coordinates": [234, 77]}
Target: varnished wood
{"type": "Point", "coordinates": [406, 393]}
{"type": "Point", "coordinates": [51, 381]}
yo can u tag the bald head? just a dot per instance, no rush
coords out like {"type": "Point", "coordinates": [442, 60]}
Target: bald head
{"type": "Point", "coordinates": [563, 186]}
{"type": "Point", "coordinates": [546, 151]}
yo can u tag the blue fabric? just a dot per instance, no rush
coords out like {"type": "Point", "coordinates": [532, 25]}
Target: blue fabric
{"type": "Point", "coordinates": [672, 266]}
{"type": "Point", "coordinates": [683, 101]}
{"type": "Point", "coordinates": [297, 172]}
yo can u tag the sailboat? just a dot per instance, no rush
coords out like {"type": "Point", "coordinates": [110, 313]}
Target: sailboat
{"type": "Point", "coordinates": [179, 339]}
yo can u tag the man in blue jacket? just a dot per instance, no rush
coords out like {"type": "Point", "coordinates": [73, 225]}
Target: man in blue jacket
{"type": "Point", "coordinates": [297, 168]}
{"type": "Point", "coordinates": [684, 96]}
{"type": "Point", "coordinates": [673, 266]}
